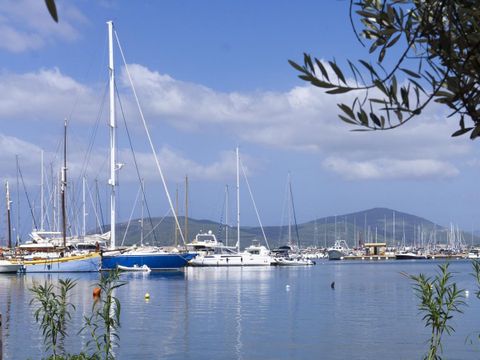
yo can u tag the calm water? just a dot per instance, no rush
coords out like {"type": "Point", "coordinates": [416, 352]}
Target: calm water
{"type": "Point", "coordinates": [249, 313]}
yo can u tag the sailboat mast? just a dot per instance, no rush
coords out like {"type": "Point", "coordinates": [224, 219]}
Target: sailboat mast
{"type": "Point", "coordinates": [289, 202]}
{"type": "Point", "coordinates": [393, 228]}
{"type": "Point", "coordinates": [9, 222]}
{"type": "Point", "coordinates": [226, 215]}
{"type": "Point", "coordinates": [42, 206]}
{"type": "Point", "coordinates": [186, 207]}
{"type": "Point", "coordinates": [63, 185]}
{"type": "Point", "coordinates": [17, 235]}
{"type": "Point", "coordinates": [143, 214]}
{"type": "Point", "coordinates": [176, 211]}
{"type": "Point", "coordinates": [84, 208]}
{"type": "Point", "coordinates": [112, 181]}
{"type": "Point", "coordinates": [238, 200]}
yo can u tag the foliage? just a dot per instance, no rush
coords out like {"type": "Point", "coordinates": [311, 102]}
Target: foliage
{"type": "Point", "coordinates": [439, 300]}
{"type": "Point", "coordinates": [53, 313]}
{"type": "Point", "coordinates": [476, 274]}
{"type": "Point", "coordinates": [52, 9]}
{"type": "Point", "coordinates": [436, 56]}
{"type": "Point", "coordinates": [104, 322]}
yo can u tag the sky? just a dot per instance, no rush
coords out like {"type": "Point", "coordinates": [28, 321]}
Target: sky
{"type": "Point", "coordinates": [210, 76]}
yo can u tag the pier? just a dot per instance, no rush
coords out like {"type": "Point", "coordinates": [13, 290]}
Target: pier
{"type": "Point", "coordinates": [392, 257]}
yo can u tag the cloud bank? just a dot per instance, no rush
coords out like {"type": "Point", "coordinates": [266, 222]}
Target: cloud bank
{"type": "Point", "coordinates": [26, 25]}
{"type": "Point", "coordinates": [303, 119]}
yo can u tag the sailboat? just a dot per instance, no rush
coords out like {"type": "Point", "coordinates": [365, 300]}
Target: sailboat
{"type": "Point", "coordinates": [47, 254]}
{"type": "Point", "coordinates": [8, 266]}
{"type": "Point", "coordinates": [154, 258]}
{"type": "Point", "coordinates": [253, 255]}
{"type": "Point", "coordinates": [290, 255]}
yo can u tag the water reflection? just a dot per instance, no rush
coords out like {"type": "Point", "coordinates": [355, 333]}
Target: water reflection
{"type": "Point", "coordinates": [250, 313]}
{"type": "Point", "coordinates": [238, 320]}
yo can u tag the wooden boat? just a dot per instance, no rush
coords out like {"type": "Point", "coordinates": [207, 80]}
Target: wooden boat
{"type": "Point", "coordinates": [8, 267]}
{"type": "Point", "coordinates": [89, 262]}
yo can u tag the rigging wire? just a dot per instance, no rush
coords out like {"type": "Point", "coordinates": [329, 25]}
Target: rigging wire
{"type": "Point", "coordinates": [28, 198]}
{"type": "Point", "coordinates": [284, 206]}
{"type": "Point", "coordinates": [161, 220]}
{"type": "Point", "coordinates": [150, 141]}
{"type": "Point", "coordinates": [98, 220]}
{"type": "Point", "coordinates": [254, 205]}
{"type": "Point", "coordinates": [131, 215]}
{"type": "Point", "coordinates": [136, 163]}
{"type": "Point", "coordinates": [97, 194]}
{"type": "Point", "coordinates": [294, 215]}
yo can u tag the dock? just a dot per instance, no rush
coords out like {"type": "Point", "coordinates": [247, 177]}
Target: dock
{"type": "Point", "coordinates": [392, 257]}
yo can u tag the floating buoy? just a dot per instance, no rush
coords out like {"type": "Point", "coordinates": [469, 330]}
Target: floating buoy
{"type": "Point", "coordinates": [96, 292]}
{"type": "Point", "coordinates": [332, 285]}
{"type": "Point", "coordinates": [466, 293]}
{"type": "Point", "coordinates": [287, 287]}
{"type": "Point", "coordinates": [147, 296]}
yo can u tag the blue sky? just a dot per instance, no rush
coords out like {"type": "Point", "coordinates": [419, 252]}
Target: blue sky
{"type": "Point", "coordinates": [211, 75]}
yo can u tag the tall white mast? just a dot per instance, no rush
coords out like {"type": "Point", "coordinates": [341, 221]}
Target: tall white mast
{"type": "Point", "coordinates": [238, 200]}
{"type": "Point", "coordinates": [226, 215]}
{"type": "Point", "coordinates": [112, 181]}
{"type": "Point", "coordinates": [63, 186]}
{"type": "Point", "coordinates": [9, 223]}
{"type": "Point", "coordinates": [186, 207]}
{"type": "Point", "coordinates": [393, 226]}
{"type": "Point", "coordinates": [142, 221]}
{"type": "Point", "coordinates": [84, 222]}
{"type": "Point", "coordinates": [41, 196]}
{"type": "Point", "coordinates": [289, 202]}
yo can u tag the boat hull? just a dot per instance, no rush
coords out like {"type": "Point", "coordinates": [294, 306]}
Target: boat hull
{"type": "Point", "coordinates": [143, 268]}
{"type": "Point", "coordinates": [231, 260]}
{"type": "Point", "coordinates": [293, 262]}
{"type": "Point", "coordinates": [10, 268]}
{"type": "Point", "coordinates": [336, 255]}
{"type": "Point", "coordinates": [156, 261]}
{"type": "Point", "coordinates": [410, 256]}
{"type": "Point", "coordinates": [80, 263]}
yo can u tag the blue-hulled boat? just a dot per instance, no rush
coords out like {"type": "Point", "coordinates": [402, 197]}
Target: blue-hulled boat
{"type": "Point", "coordinates": [156, 259]}
{"type": "Point", "coordinates": [153, 257]}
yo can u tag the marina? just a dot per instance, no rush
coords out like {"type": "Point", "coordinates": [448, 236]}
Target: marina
{"type": "Point", "coordinates": [118, 237]}
{"type": "Point", "coordinates": [221, 313]}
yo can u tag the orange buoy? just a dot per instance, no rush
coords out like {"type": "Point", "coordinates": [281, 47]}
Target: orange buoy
{"type": "Point", "coordinates": [96, 292]}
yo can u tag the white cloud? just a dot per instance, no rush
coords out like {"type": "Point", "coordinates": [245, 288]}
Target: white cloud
{"type": "Point", "coordinates": [10, 147]}
{"type": "Point", "coordinates": [302, 119]}
{"type": "Point", "coordinates": [381, 169]}
{"type": "Point", "coordinates": [44, 95]}
{"type": "Point", "coordinates": [175, 165]}
{"type": "Point", "coordinates": [26, 24]}
{"type": "Point", "coordinates": [305, 119]}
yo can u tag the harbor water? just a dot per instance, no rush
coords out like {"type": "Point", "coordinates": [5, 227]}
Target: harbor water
{"type": "Point", "coordinates": [257, 313]}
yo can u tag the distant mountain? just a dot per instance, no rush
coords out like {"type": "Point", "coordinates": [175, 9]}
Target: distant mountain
{"type": "Point", "coordinates": [374, 225]}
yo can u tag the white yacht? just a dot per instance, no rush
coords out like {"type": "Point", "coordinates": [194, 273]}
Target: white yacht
{"type": "Point", "coordinates": [207, 244]}
{"type": "Point", "coordinates": [410, 255]}
{"type": "Point", "coordinates": [253, 255]}
{"type": "Point", "coordinates": [474, 254]}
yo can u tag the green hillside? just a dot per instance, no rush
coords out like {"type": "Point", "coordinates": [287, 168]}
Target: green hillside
{"type": "Point", "coordinates": [373, 225]}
